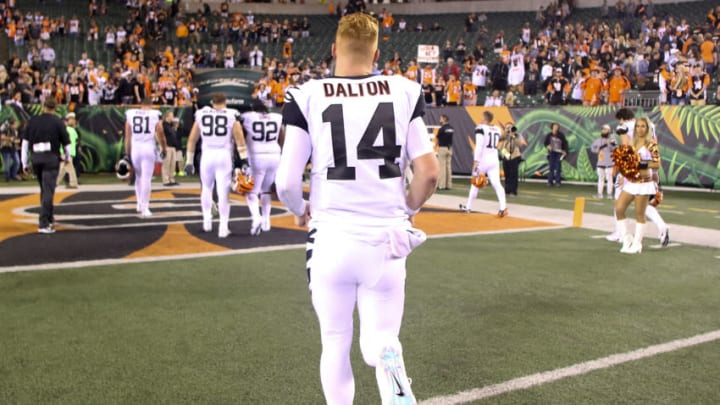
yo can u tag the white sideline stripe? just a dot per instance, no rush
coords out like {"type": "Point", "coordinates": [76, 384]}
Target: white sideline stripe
{"type": "Point", "coordinates": [108, 262]}
{"type": "Point", "coordinates": [571, 371]}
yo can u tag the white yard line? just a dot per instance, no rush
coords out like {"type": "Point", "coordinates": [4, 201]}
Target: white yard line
{"type": "Point", "coordinates": [571, 371]}
{"type": "Point", "coordinates": [108, 262]}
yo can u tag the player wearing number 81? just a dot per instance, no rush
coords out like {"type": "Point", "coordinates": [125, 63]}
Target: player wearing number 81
{"type": "Point", "coordinates": [219, 130]}
{"type": "Point", "coordinates": [359, 132]}
{"type": "Point", "coordinates": [487, 139]}
{"type": "Point", "coordinates": [143, 128]}
{"type": "Point", "coordinates": [263, 135]}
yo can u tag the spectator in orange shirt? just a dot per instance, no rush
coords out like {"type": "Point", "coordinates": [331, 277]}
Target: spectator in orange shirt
{"type": "Point", "coordinates": [287, 49]}
{"type": "Point", "coordinates": [707, 52]}
{"type": "Point", "coordinates": [618, 85]}
{"type": "Point", "coordinates": [412, 71]}
{"type": "Point", "coordinates": [593, 86]}
{"type": "Point", "coordinates": [453, 91]}
{"type": "Point", "coordinates": [182, 32]}
{"type": "Point", "coordinates": [468, 91]}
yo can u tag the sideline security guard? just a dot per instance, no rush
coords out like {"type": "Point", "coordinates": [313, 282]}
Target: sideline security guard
{"type": "Point", "coordinates": [43, 137]}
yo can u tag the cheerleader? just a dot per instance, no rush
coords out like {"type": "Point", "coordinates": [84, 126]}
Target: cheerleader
{"type": "Point", "coordinates": [636, 163]}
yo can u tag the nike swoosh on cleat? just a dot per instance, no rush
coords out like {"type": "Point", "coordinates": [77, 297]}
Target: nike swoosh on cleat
{"type": "Point", "coordinates": [399, 392]}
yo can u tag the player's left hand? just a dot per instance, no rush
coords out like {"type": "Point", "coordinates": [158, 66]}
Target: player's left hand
{"type": "Point", "coordinates": [163, 154]}
{"type": "Point", "coordinates": [305, 218]}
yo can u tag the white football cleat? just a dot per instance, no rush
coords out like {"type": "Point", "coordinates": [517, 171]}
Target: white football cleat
{"type": "Point", "coordinates": [665, 237]}
{"type": "Point", "coordinates": [256, 227]}
{"type": "Point", "coordinates": [146, 213]}
{"type": "Point", "coordinates": [223, 232]}
{"type": "Point", "coordinates": [395, 387]}
{"type": "Point", "coordinates": [265, 225]}
{"type": "Point", "coordinates": [207, 225]}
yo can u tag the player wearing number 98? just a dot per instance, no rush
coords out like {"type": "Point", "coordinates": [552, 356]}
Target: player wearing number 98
{"type": "Point", "coordinates": [263, 134]}
{"type": "Point", "coordinates": [143, 128]}
{"type": "Point", "coordinates": [487, 139]}
{"type": "Point", "coordinates": [220, 130]}
{"type": "Point", "coordinates": [359, 132]}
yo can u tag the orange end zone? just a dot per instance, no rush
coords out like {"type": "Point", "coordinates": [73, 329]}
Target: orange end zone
{"type": "Point", "coordinates": [438, 221]}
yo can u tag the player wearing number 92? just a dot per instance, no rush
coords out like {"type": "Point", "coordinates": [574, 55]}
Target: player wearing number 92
{"type": "Point", "coordinates": [220, 130]}
{"type": "Point", "coordinates": [264, 136]}
{"type": "Point", "coordinates": [143, 128]}
{"type": "Point", "coordinates": [360, 132]}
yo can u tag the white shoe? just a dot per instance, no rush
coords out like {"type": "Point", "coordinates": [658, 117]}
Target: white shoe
{"type": "Point", "coordinates": [599, 197]}
{"type": "Point", "coordinates": [626, 243]}
{"type": "Point", "coordinates": [635, 247]}
{"type": "Point", "coordinates": [47, 230]}
{"type": "Point", "coordinates": [146, 213]}
{"type": "Point", "coordinates": [613, 237]}
{"type": "Point", "coordinates": [256, 227]}
{"type": "Point", "coordinates": [207, 225]}
{"type": "Point", "coordinates": [137, 208]}
{"type": "Point", "coordinates": [265, 225]}
{"type": "Point", "coordinates": [464, 208]}
{"type": "Point", "coordinates": [395, 389]}
{"type": "Point", "coordinates": [224, 232]}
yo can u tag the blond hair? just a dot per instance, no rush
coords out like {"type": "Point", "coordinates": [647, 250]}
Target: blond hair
{"type": "Point", "coordinates": [357, 35]}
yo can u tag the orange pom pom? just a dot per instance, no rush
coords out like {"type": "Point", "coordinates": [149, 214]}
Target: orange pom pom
{"type": "Point", "coordinates": [627, 161]}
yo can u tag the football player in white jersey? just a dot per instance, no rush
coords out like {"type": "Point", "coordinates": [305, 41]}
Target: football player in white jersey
{"type": "Point", "coordinates": [263, 135]}
{"type": "Point", "coordinates": [487, 140]}
{"type": "Point", "coordinates": [626, 131]}
{"type": "Point", "coordinates": [220, 130]}
{"type": "Point", "coordinates": [360, 132]}
{"type": "Point", "coordinates": [143, 132]}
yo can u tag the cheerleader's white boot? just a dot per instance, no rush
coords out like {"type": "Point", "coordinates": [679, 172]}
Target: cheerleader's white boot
{"type": "Point", "coordinates": [625, 238]}
{"type": "Point", "coordinates": [636, 245]}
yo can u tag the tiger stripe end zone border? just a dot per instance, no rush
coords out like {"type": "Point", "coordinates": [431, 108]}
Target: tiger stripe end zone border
{"type": "Point", "coordinates": [101, 227]}
{"type": "Point", "coordinates": [546, 377]}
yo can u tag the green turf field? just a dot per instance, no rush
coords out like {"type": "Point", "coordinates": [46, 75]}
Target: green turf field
{"type": "Point", "coordinates": [684, 206]}
{"type": "Point", "coordinates": [480, 310]}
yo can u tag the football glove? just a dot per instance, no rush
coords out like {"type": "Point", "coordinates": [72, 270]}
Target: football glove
{"type": "Point", "coordinates": [189, 169]}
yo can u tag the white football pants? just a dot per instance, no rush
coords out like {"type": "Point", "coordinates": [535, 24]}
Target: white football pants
{"type": "Point", "coordinates": [143, 164]}
{"type": "Point", "coordinates": [216, 167]}
{"type": "Point", "coordinates": [344, 269]}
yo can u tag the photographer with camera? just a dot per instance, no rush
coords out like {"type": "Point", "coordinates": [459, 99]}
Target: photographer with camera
{"type": "Point", "coordinates": [603, 147]}
{"type": "Point", "coordinates": [511, 150]}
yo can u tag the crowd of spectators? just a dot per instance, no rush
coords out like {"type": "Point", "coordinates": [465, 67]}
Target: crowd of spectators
{"type": "Point", "coordinates": [566, 61]}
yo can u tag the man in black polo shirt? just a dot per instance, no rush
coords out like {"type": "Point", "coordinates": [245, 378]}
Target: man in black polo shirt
{"type": "Point", "coordinates": [44, 135]}
{"type": "Point", "coordinates": [444, 141]}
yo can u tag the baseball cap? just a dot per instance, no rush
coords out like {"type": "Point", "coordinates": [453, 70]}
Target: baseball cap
{"type": "Point", "coordinates": [604, 127]}
{"type": "Point", "coordinates": [70, 115]}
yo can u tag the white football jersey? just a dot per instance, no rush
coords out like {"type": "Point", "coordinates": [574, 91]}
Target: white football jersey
{"type": "Point", "coordinates": [216, 126]}
{"type": "Point", "coordinates": [262, 131]}
{"type": "Point", "coordinates": [363, 131]}
{"type": "Point", "coordinates": [487, 138]}
{"type": "Point", "coordinates": [143, 122]}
